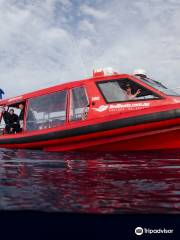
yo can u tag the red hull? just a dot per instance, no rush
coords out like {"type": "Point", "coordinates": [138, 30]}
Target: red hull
{"type": "Point", "coordinates": [151, 140]}
{"type": "Point", "coordinates": [151, 136]}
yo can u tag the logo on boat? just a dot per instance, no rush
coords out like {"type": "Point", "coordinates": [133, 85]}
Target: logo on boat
{"type": "Point", "coordinates": [129, 105]}
{"type": "Point", "coordinates": [121, 107]}
{"type": "Point", "coordinates": [101, 108]}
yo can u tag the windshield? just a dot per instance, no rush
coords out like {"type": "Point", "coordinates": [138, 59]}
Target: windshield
{"type": "Point", "coordinates": [159, 86]}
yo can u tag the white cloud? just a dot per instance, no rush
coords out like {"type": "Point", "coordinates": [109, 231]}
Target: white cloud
{"type": "Point", "coordinates": [34, 52]}
{"type": "Point", "coordinates": [91, 11]}
{"type": "Point", "coordinates": [66, 3]}
{"type": "Point", "coordinates": [86, 26]}
{"type": "Point", "coordinates": [46, 42]}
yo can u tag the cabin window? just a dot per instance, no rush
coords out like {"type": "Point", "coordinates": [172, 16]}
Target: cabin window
{"type": "Point", "coordinates": [159, 86]}
{"type": "Point", "coordinates": [124, 90]}
{"type": "Point", "coordinates": [46, 111]}
{"type": "Point", "coordinates": [79, 104]}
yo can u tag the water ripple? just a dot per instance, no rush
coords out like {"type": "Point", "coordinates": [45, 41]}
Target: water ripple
{"type": "Point", "coordinates": [146, 182]}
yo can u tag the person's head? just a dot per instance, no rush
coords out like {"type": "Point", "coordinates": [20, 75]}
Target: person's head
{"type": "Point", "coordinates": [21, 106]}
{"type": "Point", "coordinates": [128, 88]}
{"type": "Point", "coordinates": [11, 111]}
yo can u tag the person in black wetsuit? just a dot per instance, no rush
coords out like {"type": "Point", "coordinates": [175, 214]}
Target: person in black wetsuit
{"type": "Point", "coordinates": [5, 115]}
{"type": "Point", "coordinates": [13, 122]}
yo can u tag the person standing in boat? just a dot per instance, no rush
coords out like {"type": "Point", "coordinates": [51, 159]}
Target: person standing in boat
{"type": "Point", "coordinates": [1, 93]}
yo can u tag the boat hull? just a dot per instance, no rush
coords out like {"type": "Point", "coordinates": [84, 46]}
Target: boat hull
{"type": "Point", "coordinates": [159, 130]}
{"type": "Point", "coordinates": [151, 140]}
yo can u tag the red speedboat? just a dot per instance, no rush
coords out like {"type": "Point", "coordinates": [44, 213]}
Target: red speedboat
{"type": "Point", "coordinates": [108, 112]}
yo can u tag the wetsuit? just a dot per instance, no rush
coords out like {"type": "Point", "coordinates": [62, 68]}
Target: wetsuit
{"type": "Point", "coordinates": [14, 123]}
{"type": "Point", "coordinates": [6, 120]}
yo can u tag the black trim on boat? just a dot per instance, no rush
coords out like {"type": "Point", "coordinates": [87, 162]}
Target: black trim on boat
{"type": "Point", "coordinates": [100, 127]}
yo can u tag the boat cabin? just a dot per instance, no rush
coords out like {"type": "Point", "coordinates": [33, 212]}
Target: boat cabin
{"type": "Point", "coordinates": [78, 102]}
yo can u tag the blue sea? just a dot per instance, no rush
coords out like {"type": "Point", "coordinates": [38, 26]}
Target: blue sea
{"type": "Point", "coordinates": [146, 182]}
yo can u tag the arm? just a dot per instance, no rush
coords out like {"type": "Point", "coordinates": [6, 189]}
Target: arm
{"type": "Point", "coordinates": [133, 96]}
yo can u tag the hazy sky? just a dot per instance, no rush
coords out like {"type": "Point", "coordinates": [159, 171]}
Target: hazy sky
{"type": "Point", "coordinates": [46, 42]}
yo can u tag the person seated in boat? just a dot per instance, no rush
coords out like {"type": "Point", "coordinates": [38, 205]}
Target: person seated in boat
{"type": "Point", "coordinates": [21, 116]}
{"type": "Point", "coordinates": [5, 116]}
{"type": "Point", "coordinates": [129, 94]}
{"type": "Point", "coordinates": [13, 120]}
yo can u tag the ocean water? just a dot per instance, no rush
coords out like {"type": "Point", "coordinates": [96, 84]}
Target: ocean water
{"type": "Point", "coordinates": [147, 182]}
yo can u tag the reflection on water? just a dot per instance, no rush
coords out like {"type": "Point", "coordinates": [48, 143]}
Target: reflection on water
{"type": "Point", "coordinates": [90, 182]}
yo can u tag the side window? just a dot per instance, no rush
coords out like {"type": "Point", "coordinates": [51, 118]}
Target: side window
{"type": "Point", "coordinates": [112, 91]}
{"type": "Point", "coordinates": [78, 104]}
{"type": "Point", "coordinates": [124, 90]}
{"type": "Point", "coordinates": [46, 111]}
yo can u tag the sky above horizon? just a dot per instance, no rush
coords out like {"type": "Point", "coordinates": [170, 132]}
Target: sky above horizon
{"type": "Point", "coordinates": [47, 42]}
